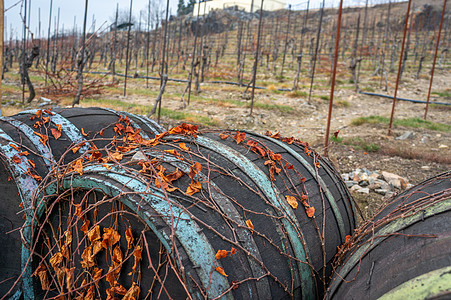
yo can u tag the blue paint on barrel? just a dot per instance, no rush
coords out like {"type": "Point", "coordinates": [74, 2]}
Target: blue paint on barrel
{"type": "Point", "coordinates": [187, 231]}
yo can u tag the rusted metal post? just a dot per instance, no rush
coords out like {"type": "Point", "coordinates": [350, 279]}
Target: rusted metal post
{"type": "Point", "coordinates": [128, 47]}
{"type": "Point", "coordinates": [332, 88]}
{"type": "Point", "coordinates": [435, 58]}
{"type": "Point", "coordinates": [254, 76]}
{"type": "Point", "coordinates": [399, 68]}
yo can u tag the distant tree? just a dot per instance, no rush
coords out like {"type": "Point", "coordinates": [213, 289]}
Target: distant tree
{"type": "Point", "coordinates": [183, 9]}
{"type": "Point", "coordinates": [122, 20]}
{"type": "Point", "coordinates": [180, 7]}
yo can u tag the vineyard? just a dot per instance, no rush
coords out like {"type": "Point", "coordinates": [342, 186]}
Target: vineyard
{"type": "Point", "coordinates": [263, 71]}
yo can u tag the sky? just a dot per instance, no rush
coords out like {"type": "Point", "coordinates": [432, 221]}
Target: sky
{"type": "Point", "coordinates": [102, 10]}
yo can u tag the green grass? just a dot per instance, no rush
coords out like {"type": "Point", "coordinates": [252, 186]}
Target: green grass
{"type": "Point", "coordinates": [357, 143]}
{"type": "Point", "coordinates": [144, 110]}
{"type": "Point", "coordinates": [410, 122]}
{"type": "Point", "coordinates": [444, 94]}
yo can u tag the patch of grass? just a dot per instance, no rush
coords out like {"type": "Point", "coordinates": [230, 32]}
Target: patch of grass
{"type": "Point", "coordinates": [369, 89]}
{"type": "Point", "coordinates": [325, 97]}
{"type": "Point", "coordinates": [343, 103]}
{"type": "Point", "coordinates": [410, 122]}
{"type": "Point", "coordinates": [357, 143]}
{"type": "Point", "coordinates": [144, 110]}
{"type": "Point", "coordinates": [443, 94]}
{"type": "Point", "coordinates": [296, 94]}
{"type": "Point", "coordinates": [336, 139]}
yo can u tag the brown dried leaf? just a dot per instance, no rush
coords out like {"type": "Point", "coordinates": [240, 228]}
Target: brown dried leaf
{"type": "Point", "coordinates": [132, 293]}
{"type": "Point", "coordinates": [110, 237]}
{"type": "Point", "coordinates": [129, 237]}
{"type": "Point", "coordinates": [96, 247]}
{"type": "Point", "coordinates": [117, 156]}
{"type": "Point", "coordinates": [94, 234]}
{"type": "Point", "coordinates": [90, 294]}
{"type": "Point", "coordinates": [41, 273]}
{"type": "Point", "coordinates": [69, 278]}
{"type": "Point", "coordinates": [138, 256]}
{"type": "Point", "coordinates": [119, 290]}
{"type": "Point", "coordinates": [56, 260]}
{"type": "Point", "coordinates": [56, 133]}
{"type": "Point", "coordinates": [87, 258]}
{"type": "Point", "coordinates": [85, 226]}
{"type": "Point", "coordinates": [117, 256]}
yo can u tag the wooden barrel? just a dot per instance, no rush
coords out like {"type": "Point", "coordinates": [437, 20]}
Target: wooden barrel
{"type": "Point", "coordinates": [404, 252]}
{"type": "Point", "coordinates": [29, 150]}
{"type": "Point", "coordinates": [238, 215]}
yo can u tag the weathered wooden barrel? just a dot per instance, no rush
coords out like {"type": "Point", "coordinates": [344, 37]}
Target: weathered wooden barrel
{"type": "Point", "coordinates": [404, 252]}
{"type": "Point", "coordinates": [222, 205]}
{"type": "Point", "coordinates": [31, 144]}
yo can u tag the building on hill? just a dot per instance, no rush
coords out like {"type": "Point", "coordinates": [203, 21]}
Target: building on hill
{"type": "Point", "coordinates": [246, 5]}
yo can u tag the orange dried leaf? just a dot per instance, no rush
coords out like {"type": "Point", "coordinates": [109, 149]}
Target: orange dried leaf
{"type": "Point", "coordinates": [14, 147]}
{"type": "Point", "coordinates": [183, 146]}
{"type": "Point", "coordinates": [24, 153]}
{"type": "Point", "coordinates": [221, 271]}
{"type": "Point", "coordinates": [129, 237]}
{"type": "Point", "coordinates": [173, 152]}
{"type": "Point", "coordinates": [223, 136]}
{"type": "Point", "coordinates": [36, 177]}
{"type": "Point", "coordinates": [193, 188]}
{"type": "Point", "coordinates": [41, 273]}
{"type": "Point", "coordinates": [310, 210]}
{"type": "Point", "coordinates": [32, 163]}
{"type": "Point", "coordinates": [221, 254]}
{"type": "Point", "coordinates": [56, 133]}
{"type": "Point", "coordinates": [90, 294]}
{"type": "Point", "coordinates": [132, 293]}
{"type": "Point", "coordinates": [94, 234]}
{"type": "Point", "coordinates": [97, 274]}
{"type": "Point", "coordinates": [107, 166]}
{"type": "Point", "coordinates": [232, 251]}
{"type": "Point", "coordinates": [56, 260]}
{"type": "Point", "coordinates": [292, 201]}
{"type": "Point", "coordinates": [43, 138]}
{"type": "Point", "coordinates": [83, 132]}
{"type": "Point", "coordinates": [69, 278]}
{"type": "Point", "coordinates": [16, 159]}
{"type": "Point", "coordinates": [239, 137]}
{"type": "Point", "coordinates": [138, 256]}
{"type": "Point", "coordinates": [87, 258]}
{"type": "Point", "coordinates": [78, 166]}
{"type": "Point", "coordinates": [110, 237]}
{"type": "Point", "coordinates": [249, 224]}
{"type": "Point", "coordinates": [117, 156]}
{"type": "Point", "coordinates": [96, 247]}
{"type": "Point", "coordinates": [119, 290]}
{"type": "Point", "coordinates": [174, 176]}
{"type": "Point", "coordinates": [85, 226]}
